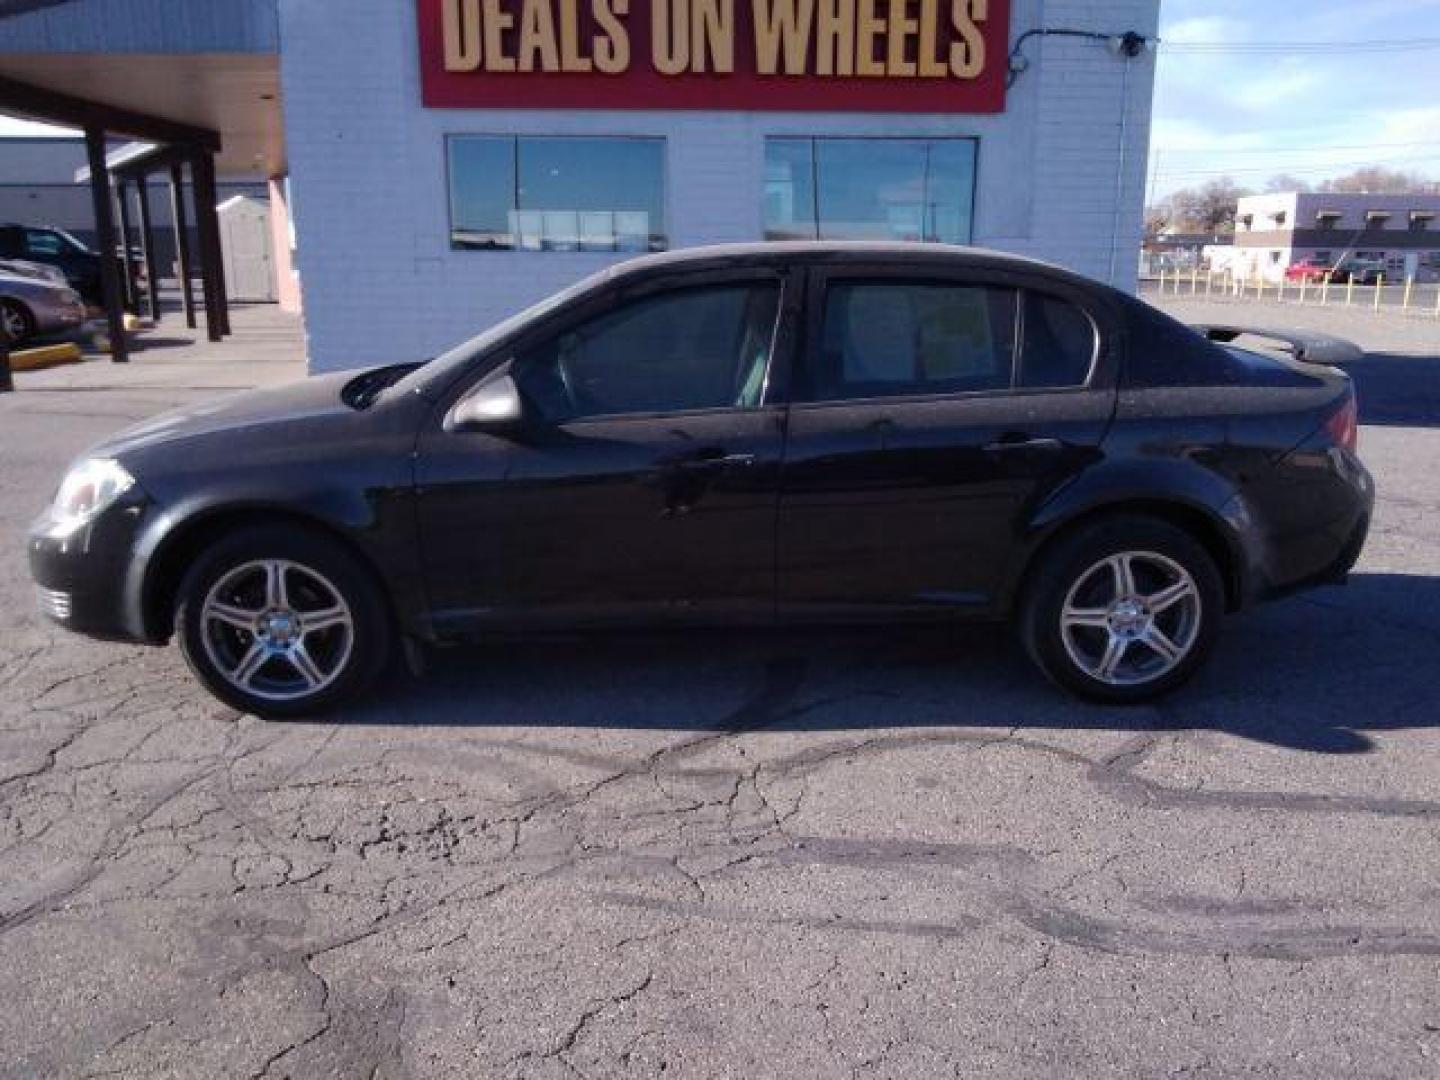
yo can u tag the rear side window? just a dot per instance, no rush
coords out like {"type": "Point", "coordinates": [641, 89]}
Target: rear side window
{"type": "Point", "coordinates": [891, 339]}
{"type": "Point", "coordinates": [1060, 344]}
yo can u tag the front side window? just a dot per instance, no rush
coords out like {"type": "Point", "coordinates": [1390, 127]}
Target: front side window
{"type": "Point", "coordinates": [869, 189]}
{"type": "Point", "coordinates": [897, 339]}
{"type": "Point", "coordinates": [557, 194]}
{"type": "Point", "coordinates": [701, 348]}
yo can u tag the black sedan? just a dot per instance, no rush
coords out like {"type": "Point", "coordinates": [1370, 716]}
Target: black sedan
{"type": "Point", "coordinates": [777, 433]}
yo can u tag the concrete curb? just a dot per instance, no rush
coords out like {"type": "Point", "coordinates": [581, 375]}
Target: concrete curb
{"type": "Point", "coordinates": [45, 356]}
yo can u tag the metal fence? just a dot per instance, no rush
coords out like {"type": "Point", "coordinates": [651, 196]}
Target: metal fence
{"type": "Point", "coordinates": [1410, 298]}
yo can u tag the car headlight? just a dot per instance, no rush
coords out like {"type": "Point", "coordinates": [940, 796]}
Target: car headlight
{"type": "Point", "coordinates": [88, 489]}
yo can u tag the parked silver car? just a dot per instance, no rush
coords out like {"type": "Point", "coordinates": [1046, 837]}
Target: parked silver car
{"type": "Point", "coordinates": [26, 269]}
{"type": "Point", "coordinates": [31, 305]}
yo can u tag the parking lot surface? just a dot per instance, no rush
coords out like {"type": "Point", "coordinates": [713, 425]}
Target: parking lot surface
{"type": "Point", "coordinates": [869, 853]}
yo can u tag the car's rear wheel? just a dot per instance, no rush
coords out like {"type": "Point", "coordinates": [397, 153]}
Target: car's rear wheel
{"type": "Point", "coordinates": [281, 622]}
{"type": "Point", "coordinates": [1123, 610]}
{"type": "Point", "coordinates": [19, 323]}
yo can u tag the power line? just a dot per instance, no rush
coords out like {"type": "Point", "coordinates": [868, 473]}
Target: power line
{"type": "Point", "coordinates": [1274, 170]}
{"type": "Point", "coordinates": [1292, 149]}
{"type": "Point", "coordinates": [1301, 47]}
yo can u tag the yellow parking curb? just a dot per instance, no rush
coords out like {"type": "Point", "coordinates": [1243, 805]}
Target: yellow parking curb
{"type": "Point", "coordinates": [45, 356]}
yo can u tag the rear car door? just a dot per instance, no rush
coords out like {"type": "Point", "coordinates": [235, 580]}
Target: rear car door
{"type": "Point", "coordinates": [929, 411]}
{"type": "Point", "coordinates": [643, 488]}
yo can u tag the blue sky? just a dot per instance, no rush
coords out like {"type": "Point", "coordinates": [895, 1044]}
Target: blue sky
{"type": "Point", "coordinates": [1313, 115]}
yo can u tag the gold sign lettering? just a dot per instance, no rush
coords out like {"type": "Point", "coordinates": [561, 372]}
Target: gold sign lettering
{"type": "Point", "coordinates": [612, 47]}
{"type": "Point", "coordinates": [670, 36]}
{"type": "Point", "coordinates": [782, 26]}
{"type": "Point", "coordinates": [967, 56]}
{"type": "Point", "coordinates": [570, 58]}
{"type": "Point", "coordinates": [868, 29]}
{"type": "Point", "coordinates": [461, 31]}
{"type": "Point", "coordinates": [835, 37]}
{"type": "Point", "coordinates": [713, 26]}
{"type": "Point", "coordinates": [537, 37]}
{"type": "Point", "coordinates": [873, 39]}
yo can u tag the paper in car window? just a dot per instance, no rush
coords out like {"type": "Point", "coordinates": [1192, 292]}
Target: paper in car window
{"type": "Point", "coordinates": [956, 339]}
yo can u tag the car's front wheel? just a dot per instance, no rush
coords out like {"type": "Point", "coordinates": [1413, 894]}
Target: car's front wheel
{"type": "Point", "coordinates": [282, 622]}
{"type": "Point", "coordinates": [1123, 610]}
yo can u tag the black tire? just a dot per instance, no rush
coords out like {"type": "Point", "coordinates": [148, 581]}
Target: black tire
{"type": "Point", "coordinates": [18, 320]}
{"type": "Point", "coordinates": [1074, 565]}
{"type": "Point", "coordinates": [350, 655]}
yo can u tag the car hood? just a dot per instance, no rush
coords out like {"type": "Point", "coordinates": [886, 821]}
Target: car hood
{"type": "Point", "coordinates": [315, 403]}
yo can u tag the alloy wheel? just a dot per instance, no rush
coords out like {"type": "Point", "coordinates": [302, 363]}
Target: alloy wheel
{"type": "Point", "coordinates": [1131, 618]}
{"type": "Point", "coordinates": [277, 629]}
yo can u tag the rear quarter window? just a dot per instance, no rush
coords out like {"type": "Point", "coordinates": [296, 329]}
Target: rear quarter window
{"type": "Point", "coordinates": [1059, 345]}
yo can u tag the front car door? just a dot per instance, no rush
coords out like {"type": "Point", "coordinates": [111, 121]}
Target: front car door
{"type": "Point", "coordinates": [642, 486]}
{"type": "Point", "coordinates": [931, 409]}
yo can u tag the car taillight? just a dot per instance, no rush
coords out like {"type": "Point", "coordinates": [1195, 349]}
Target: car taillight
{"type": "Point", "coordinates": [1344, 425]}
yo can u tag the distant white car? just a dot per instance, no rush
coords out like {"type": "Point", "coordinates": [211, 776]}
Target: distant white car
{"type": "Point", "coordinates": [33, 304]}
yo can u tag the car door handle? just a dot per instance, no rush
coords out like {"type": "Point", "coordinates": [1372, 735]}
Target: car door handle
{"type": "Point", "coordinates": [705, 460]}
{"type": "Point", "coordinates": [722, 461]}
{"type": "Point", "coordinates": [1030, 446]}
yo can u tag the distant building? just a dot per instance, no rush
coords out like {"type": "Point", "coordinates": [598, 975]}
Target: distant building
{"type": "Point", "coordinates": [1170, 251]}
{"type": "Point", "coordinates": [1273, 232]}
{"type": "Point", "coordinates": [38, 187]}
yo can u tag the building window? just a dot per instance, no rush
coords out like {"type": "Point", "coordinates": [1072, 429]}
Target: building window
{"type": "Point", "coordinates": [556, 193]}
{"type": "Point", "coordinates": [870, 189]}
{"type": "Point", "coordinates": [1376, 219]}
{"type": "Point", "coordinates": [1326, 220]}
{"type": "Point", "coordinates": [1420, 221]}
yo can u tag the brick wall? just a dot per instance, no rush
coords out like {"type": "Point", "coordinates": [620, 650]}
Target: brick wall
{"type": "Point", "coordinates": [369, 186]}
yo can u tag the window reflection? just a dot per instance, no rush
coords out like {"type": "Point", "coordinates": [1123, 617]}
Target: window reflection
{"type": "Point", "coordinates": [557, 194]}
{"type": "Point", "coordinates": [869, 189]}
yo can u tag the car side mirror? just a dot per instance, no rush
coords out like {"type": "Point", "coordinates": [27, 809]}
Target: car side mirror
{"type": "Point", "coordinates": [495, 406]}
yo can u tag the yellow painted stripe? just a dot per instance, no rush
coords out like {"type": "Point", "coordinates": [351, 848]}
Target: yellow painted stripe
{"type": "Point", "coordinates": [44, 357]}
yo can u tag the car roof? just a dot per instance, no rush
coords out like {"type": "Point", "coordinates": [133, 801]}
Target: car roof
{"type": "Point", "coordinates": [718, 256]}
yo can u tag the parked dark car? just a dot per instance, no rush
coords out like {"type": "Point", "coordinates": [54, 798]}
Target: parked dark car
{"type": "Point", "coordinates": [56, 247]}
{"type": "Point", "coordinates": [1360, 271]}
{"type": "Point", "coordinates": [768, 433]}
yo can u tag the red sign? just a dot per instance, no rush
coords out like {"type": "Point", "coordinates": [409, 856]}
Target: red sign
{"type": "Point", "coordinates": [943, 56]}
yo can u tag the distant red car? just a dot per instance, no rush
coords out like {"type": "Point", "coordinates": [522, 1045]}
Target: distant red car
{"type": "Point", "coordinates": [1309, 270]}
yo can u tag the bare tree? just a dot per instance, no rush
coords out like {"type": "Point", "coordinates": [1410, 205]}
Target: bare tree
{"type": "Point", "coordinates": [1286, 183]}
{"type": "Point", "coordinates": [1376, 180]}
{"type": "Point", "coordinates": [1209, 208]}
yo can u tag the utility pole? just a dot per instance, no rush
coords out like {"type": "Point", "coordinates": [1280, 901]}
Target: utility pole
{"type": "Point", "coordinates": [7, 383]}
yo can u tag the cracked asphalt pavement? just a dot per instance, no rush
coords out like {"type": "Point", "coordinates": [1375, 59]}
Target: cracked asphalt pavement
{"type": "Point", "coordinates": [881, 853]}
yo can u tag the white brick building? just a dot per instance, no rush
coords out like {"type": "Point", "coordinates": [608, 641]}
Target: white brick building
{"type": "Point", "coordinates": [437, 164]}
{"type": "Point", "coordinates": [1274, 232]}
{"type": "Point", "coordinates": [1060, 171]}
